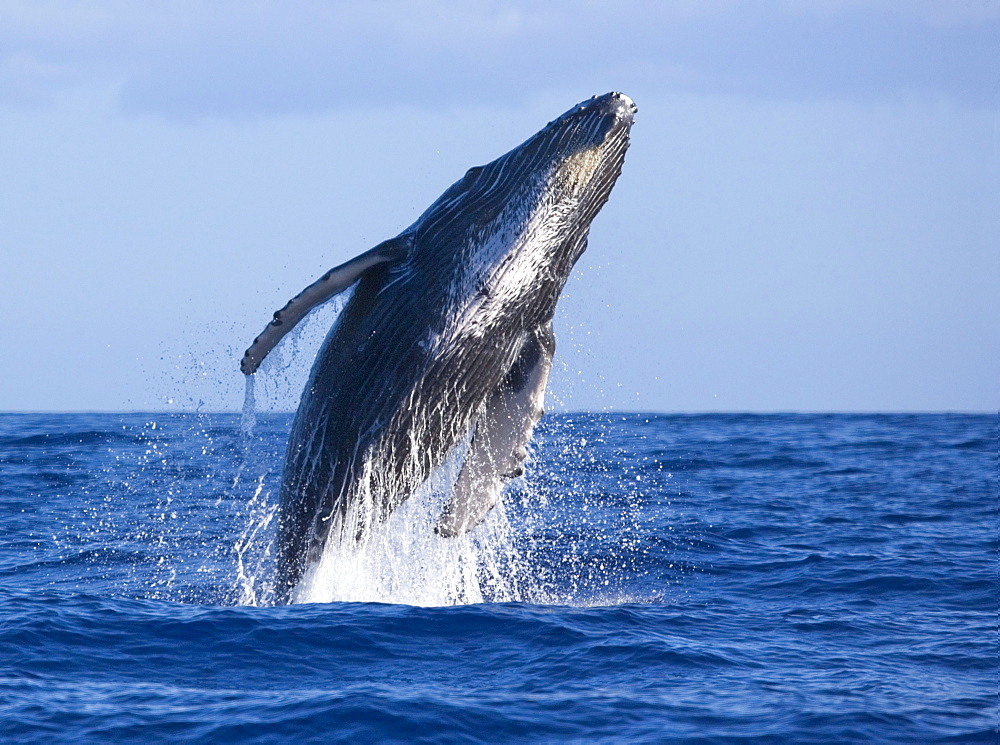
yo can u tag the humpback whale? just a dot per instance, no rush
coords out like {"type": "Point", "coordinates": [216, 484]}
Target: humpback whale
{"type": "Point", "coordinates": [446, 339]}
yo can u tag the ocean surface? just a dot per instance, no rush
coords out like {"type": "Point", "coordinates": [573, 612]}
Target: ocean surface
{"type": "Point", "coordinates": [653, 578]}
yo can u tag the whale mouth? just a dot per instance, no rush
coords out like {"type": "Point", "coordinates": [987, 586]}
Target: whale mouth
{"type": "Point", "coordinates": [615, 106]}
{"type": "Point", "coordinates": [621, 106]}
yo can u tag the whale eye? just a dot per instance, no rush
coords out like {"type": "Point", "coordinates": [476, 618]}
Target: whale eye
{"type": "Point", "coordinates": [473, 172]}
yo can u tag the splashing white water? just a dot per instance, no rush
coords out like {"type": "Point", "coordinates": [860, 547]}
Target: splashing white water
{"type": "Point", "coordinates": [404, 561]}
{"type": "Point", "coordinates": [538, 545]}
{"type": "Point", "coordinates": [250, 563]}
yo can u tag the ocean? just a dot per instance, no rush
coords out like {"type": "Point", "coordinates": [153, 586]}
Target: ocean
{"type": "Point", "coordinates": [799, 578]}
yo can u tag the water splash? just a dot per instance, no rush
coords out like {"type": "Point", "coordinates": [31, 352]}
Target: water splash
{"type": "Point", "coordinates": [553, 538]}
{"type": "Point", "coordinates": [248, 419]}
{"type": "Point", "coordinates": [253, 553]}
{"type": "Point", "coordinates": [523, 551]}
{"type": "Point", "coordinates": [404, 561]}
{"type": "Point", "coordinates": [183, 508]}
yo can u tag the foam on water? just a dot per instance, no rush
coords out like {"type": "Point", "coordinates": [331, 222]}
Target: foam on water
{"type": "Point", "coordinates": [404, 561]}
{"type": "Point", "coordinates": [398, 563]}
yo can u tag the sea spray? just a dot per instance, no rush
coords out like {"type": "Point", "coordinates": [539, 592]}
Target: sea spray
{"type": "Point", "coordinates": [248, 420]}
{"type": "Point", "coordinates": [531, 547]}
{"type": "Point", "coordinates": [403, 560]}
{"type": "Point", "coordinates": [253, 549]}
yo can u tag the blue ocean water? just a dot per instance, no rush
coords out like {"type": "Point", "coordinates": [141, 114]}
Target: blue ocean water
{"type": "Point", "coordinates": [654, 578]}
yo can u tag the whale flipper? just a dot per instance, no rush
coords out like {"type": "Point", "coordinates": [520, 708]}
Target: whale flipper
{"type": "Point", "coordinates": [499, 443]}
{"type": "Point", "coordinates": [333, 282]}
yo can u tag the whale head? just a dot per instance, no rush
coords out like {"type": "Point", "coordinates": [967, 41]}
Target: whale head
{"type": "Point", "coordinates": [520, 222]}
{"type": "Point", "coordinates": [579, 152]}
{"type": "Point", "coordinates": [577, 156]}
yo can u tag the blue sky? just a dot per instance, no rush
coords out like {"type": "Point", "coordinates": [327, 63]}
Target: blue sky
{"type": "Point", "coordinates": [807, 219]}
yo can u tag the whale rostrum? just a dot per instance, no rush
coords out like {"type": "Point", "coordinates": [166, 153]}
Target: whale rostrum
{"type": "Point", "coordinates": [446, 339]}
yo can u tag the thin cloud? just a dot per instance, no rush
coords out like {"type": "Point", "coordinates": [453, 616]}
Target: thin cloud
{"type": "Point", "coordinates": [192, 59]}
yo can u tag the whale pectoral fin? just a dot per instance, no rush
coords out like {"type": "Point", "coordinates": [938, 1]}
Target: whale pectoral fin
{"type": "Point", "coordinates": [499, 443]}
{"type": "Point", "coordinates": [333, 282]}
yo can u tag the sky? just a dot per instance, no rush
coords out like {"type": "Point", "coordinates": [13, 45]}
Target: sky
{"type": "Point", "coordinates": [807, 220]}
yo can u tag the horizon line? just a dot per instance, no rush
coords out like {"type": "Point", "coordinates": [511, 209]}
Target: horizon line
{"type": "Point", "coordinates": [632, 412]}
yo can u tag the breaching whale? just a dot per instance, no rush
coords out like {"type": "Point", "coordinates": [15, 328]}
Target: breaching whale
{"type": "Point", "coordinates": [446, 339]}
